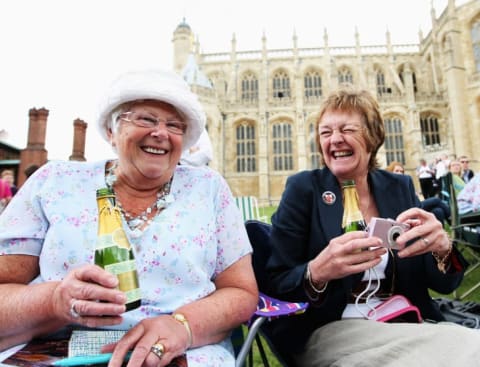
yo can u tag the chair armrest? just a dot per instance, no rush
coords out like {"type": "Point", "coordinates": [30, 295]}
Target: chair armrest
{"type": "Point", "coordinates": [472, 218]}
{"type": "Point", "coordinates": [273, 308]}
{"type": "Point", "coordinates": [268, 308]}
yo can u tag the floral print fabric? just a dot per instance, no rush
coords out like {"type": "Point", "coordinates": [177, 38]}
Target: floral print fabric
{"type": "Point", "coordinates": [469, 198]}
{"type": "Point", "coordinates": [200, 234]}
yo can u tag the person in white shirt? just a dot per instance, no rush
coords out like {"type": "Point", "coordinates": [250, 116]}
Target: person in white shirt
{"type": "Point", "coordinates": [442, 166]}
{"type": "Point", "coordinates": [426, 175]}
{"type": "Point", "coordinates": [200, 154]}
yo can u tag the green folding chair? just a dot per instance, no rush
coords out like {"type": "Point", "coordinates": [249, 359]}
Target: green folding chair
{"type": "Point", "coordinates": [463, 230]}
{"type": "Point", "coordinates": [248, 206]}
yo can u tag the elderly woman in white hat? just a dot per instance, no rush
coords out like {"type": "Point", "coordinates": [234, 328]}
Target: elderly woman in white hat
{"type": "Point", "coordinates": [192, 253]}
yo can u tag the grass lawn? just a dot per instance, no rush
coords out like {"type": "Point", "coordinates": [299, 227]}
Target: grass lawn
{"type": "Point", "coordinates": [267, 211]}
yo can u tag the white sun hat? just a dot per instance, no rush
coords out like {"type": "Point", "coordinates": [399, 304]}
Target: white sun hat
{"type": "Point", "coordinates": [159, 85]}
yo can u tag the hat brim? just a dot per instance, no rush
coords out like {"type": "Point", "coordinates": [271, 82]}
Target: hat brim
{"type": "Point", "coordinates": [156, 85]}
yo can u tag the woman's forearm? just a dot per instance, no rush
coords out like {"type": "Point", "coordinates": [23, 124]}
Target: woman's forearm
{"type": "Point", "coordinates": [212, 318]}
{"type": "Point", "coordinates": [26, 312]}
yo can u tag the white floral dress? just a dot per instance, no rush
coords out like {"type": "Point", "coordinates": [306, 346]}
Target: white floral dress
{"type": "Point", "coordinates": [199, 234]}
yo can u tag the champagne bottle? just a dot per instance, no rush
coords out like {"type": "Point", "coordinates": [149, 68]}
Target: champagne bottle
{"type": "Point", "coordinates": [352, 216]}
{"type": "Point", "coordinates": [113, 251]}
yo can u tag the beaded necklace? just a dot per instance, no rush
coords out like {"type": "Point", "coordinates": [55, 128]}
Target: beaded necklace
{"type": "Point", "coordinates": [139, 222]}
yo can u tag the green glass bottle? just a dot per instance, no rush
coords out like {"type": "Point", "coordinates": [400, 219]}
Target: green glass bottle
{"type": "Point", "coordinates": [113, 251]}
{"type": "Point", "coordinates": [352, 215]}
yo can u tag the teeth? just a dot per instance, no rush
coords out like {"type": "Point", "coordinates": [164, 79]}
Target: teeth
{"type": "Point", "coordinates": [154, 151]}
{"type": "Point", "coordinates": [342, 154]}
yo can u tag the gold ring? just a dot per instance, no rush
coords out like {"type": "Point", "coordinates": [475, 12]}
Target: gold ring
{"type": "Point", "coordinates": [158, 349]}
{"type": "Point", "coordinates": [426, 241]}
{"type": "Point", "coordinates": [74, 312]}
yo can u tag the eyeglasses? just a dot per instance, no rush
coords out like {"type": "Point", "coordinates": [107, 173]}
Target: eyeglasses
{"type": "Point", "coordinates": [149, 121]}
{"type": "Point", "coordinates": [326, 132]}
{"type": "Point", "coordinates": [464, 161]}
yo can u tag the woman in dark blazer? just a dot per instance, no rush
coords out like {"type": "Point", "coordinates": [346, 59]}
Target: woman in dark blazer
{"type": "Point", "coordinates": [313, 260]}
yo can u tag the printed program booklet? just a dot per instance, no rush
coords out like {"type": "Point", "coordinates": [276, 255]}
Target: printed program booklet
{"type": "Point", "coordinates": [44, 352]}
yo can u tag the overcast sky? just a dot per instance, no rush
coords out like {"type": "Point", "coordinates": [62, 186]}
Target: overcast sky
{"type": "Point", "coordinates": [60, 54]}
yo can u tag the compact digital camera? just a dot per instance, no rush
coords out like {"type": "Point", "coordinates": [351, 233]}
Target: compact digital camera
{"type": "Point", "coordinates": [387, 230]}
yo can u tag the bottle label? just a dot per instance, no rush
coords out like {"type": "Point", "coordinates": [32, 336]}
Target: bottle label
{"type": "Point", "coordinates": [117, 238]}
{"type": "Point", "coordinates": [133, 295]}
{"type": "Point", "coordinates": [121, 267]}
{"type": "Point", "coordinates": [127, 278]}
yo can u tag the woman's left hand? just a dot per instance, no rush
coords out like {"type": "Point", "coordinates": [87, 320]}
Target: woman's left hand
{"type": "Point", "coordinates": [426, 232]}
{"type": "Point", "coordinates": [164, 330]}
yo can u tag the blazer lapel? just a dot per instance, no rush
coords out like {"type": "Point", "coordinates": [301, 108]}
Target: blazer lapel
{"type": "Point", "coordinates": [383, 195]}
{"type": "Point", "coordinates": [329, 213]}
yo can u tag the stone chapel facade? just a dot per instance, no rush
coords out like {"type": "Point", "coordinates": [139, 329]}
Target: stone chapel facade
{"type": "Point", "coordinates": [261, 105]}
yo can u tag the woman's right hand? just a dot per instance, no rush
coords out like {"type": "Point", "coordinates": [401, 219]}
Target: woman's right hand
{"type": "Point", "coordinates": [76, 298]}
{"type": "Point", "coordinates": [350, 253]}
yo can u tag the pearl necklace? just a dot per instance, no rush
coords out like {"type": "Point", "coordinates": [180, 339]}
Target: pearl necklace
{"type": "Point", "coordinates": [139, 222]}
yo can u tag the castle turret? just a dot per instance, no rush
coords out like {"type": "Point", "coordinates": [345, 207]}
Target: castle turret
{"type": "Point", "coordinates": [183, 44]}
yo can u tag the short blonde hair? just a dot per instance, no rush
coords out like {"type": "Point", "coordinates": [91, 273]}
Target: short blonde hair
{"type": "Point", "coordinates": [392, 166]}
{"type": "Point", "coordinates": [351, 99]}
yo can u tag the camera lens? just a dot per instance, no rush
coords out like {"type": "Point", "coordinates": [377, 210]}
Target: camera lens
{"type": "Point", "coordinates": [393, 234]}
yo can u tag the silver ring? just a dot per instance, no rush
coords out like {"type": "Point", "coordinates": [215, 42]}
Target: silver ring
{"type": "Point", "coordinates": [158, 349]}
{"type": "Point", "coordinates": [426, 241]}
{"type": "Point", "coordinates": [74, 312]}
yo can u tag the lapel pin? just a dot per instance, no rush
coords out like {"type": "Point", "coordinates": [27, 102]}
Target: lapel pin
{"type": "Point", "coordinates": [329, 197]}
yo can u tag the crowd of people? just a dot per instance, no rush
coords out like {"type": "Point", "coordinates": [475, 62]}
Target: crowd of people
{"type": "Point", "coordinates": [193, 256]}
{"type": "Point", "coordinates": [465, 183]}
{"type": "Point", "coordinates": [430, 175]}
{"type": "Point", "coordinates": [432, 204]}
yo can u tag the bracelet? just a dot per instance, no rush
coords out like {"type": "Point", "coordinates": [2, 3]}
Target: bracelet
{"type": "Point", "coordinates": [308, 276]}
{"type": "Point", "coordinates": [442, 261]}
{"type": "Point", "coordinates": [181, 318]}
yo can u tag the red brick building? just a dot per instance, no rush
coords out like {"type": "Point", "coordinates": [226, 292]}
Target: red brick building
{"type": "Point", "coordinates": [35, 153]}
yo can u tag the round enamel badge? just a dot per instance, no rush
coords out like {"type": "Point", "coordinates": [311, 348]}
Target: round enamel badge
{"type": "Point", "coordinates": [329, 197]}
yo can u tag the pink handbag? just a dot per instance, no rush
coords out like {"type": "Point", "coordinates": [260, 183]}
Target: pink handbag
{"type": "Point", "coordinates": [396, 309]}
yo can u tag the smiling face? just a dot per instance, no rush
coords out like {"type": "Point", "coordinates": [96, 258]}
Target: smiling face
{"type": "Point", "coordinates": [455, 167]}
{"type": "Point", "coordinates": [147, 156]}
{"type": "Point", "coordinates": [342, 142]}
{"type": "Point", "coordinates": [350, 109]}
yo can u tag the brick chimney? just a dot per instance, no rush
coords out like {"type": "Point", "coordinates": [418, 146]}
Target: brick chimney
{"type": "Point", "coordinates": [35, 152]}
{"type": "Point", "coordinates": [79, 137]}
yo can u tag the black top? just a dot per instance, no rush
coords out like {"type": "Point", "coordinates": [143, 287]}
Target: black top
{"type": "Point", "coordinates": [302, 227]}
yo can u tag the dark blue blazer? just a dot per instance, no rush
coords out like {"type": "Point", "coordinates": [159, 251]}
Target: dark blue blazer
{"type": "Point", "coordinates": [303, 225]}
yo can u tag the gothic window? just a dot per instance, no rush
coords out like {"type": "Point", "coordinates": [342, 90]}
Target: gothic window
{"type": "Point", "coordinates": [430, 130]}
{"type": "Point", "coordinates": [313, 153]}
{"type": "Point", "coordinates": [381, 86]}
{"type": "Point", "coordinates": [281, 85]}
{"type": "Point", "coordinates": [312, 83]}
{"type": "Point", "coordinates": [394, 148]}
{"type": "Point", "coordinates": [246, 151]}
{"type": "Point", "coordinates": [345, 76]}
{"type": "Point", "coordinates": [282, 146]}
{"type": "Point", "coordinates": [476, 43]}
{"type": "Point", "coordinates": [414, 81]}
{"type": "Point", "coordinates": [249, 88]}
